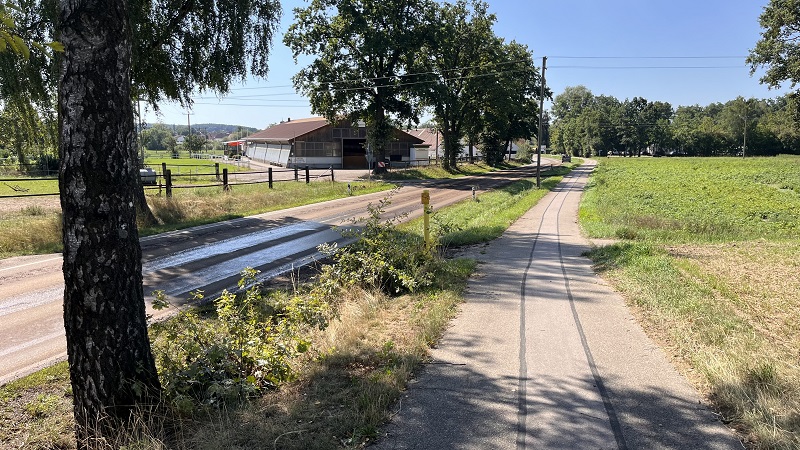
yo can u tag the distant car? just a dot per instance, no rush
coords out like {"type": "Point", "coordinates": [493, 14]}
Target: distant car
{"type": "Point", "coordinates": [148, 176]}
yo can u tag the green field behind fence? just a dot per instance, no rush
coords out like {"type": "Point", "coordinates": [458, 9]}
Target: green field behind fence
{"type": "Point", "coordinates": [18, 185]}
{"type": "Point", "coordinates": [185, 170]}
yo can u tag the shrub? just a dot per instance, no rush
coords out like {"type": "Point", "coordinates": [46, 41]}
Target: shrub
{"type": "Point", "coordinates": [248, 348]}
{"type": "Point", "coordinates": [382, 257]}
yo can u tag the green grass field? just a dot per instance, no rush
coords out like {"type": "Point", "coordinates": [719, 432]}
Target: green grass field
{"type": "Point", "coordinates": [694, 199]}
{"type": "Point", "coordinates": [18, 185]}
{"type": "Point", "coordinates": [707, 254]}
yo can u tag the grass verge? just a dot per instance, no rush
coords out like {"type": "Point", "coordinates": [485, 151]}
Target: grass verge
{"type": "Point", "coordinates": [191, 207]}
{"type": "Point", "coordinates": [30, 232]}
{"type": "Point", "coordinates": [35, 230]}
{"type": "Point", "coordinates": [725, 303]}
{"type": "Point", "coordinates": [473, 222]}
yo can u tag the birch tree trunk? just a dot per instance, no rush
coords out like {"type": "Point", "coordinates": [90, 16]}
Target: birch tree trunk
{"type": "Point", "coordinates": [111, 363]}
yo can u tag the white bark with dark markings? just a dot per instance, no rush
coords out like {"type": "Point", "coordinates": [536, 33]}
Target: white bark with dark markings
{"type": "Point", "coordinates": [104, 312]}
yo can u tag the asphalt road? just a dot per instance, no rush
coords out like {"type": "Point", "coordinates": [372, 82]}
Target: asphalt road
{"type": "Point", "coordinates": [544, 355]}
{"type": "Point", "coordinates": [209, 258]}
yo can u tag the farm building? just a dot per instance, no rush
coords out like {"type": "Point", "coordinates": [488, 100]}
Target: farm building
{"type": "Point", "coordinates": [315, 142]}
{"type": "Point", "coordinates": [434, 143]}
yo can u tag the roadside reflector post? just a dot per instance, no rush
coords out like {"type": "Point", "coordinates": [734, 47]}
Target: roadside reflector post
{"type": "Point", "coordinates": [426, 201]}
{"type": "Point", "coordinates": [474, 194]}
{"type": "Point", "coordinates": [308, 176]}
{"type": "Point", "coordinates": [296, 174]}
{"type": "Point", "coordinates": [332, 178]}
{"type": "Point", "coordinates": [269, 172]}
{"type": "Point", "coordinates": [225, 186]}
{"type": "Point", "coordinates": [349, 190]}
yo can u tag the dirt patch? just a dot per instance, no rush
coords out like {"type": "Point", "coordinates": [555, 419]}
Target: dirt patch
{"type": "Point", "coordinates": [10, 206]}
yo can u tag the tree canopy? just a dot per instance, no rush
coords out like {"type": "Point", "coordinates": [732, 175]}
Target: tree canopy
{"type": "Point", "coordinates": [180, 46]}
{"type": "Point", "coordinates": [386, 61]}
{"type": "Point", "coordinates": [456, 52]}
{"type": "Point", "coordinates": [363, 50]}
{"type": "Point", "coordinates": [779, 47]}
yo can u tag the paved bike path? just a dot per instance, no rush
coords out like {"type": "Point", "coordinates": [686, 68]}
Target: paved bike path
{"type": "Point", "coordinates": [544, 355]}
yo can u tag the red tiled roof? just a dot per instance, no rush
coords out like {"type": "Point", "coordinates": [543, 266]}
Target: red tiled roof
{"type": "Point", "coordinates": [286, 131]}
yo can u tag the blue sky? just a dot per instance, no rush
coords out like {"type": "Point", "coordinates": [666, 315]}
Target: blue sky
{"type": "Point", "coordinates": [675, 36]}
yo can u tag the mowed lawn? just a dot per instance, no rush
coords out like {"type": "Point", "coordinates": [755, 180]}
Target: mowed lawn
{"type": "Point", "coordinates": [708, 252]}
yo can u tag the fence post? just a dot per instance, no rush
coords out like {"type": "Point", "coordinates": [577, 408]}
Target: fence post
{"type": "Point", "coordinates": [225, 186]}
{"type": "Point", "coordinates": [269, 171]}
{"type": "Point", "coordinates": [168, 176]}
{"type": "Point", "coordinates": [216, 170]}
{"type": "Point", "coordinates": [332, 178]}
{"type": "Point", "coordinates": [164, 168]}
{"type": "Point", "coordinates": [308, 178]}
{"type": "Point", "coordinates": [296, 174]}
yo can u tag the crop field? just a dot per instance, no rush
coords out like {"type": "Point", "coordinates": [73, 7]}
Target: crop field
{"type": "Point", "coordinates": [695, 199]}
{"type": "Point", "coordinates": [706, 253]}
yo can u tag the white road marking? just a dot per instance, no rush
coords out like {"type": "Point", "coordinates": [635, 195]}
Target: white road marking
{"type": "Point", "coordinates": [31, 343]}
{"type": "Point", "coordinates": [229, 245]}
{"type": "Point", "coordinates": [31, 299]}
{"type": "Point", "coordinates": [31, 263]}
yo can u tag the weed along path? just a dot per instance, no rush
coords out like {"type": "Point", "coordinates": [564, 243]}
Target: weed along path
{"type": "Point", "coordinates": [208, 258]}
{"type": "Point", "coordinates": [544, 355]}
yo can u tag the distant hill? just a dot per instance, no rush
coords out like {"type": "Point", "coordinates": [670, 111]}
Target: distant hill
{"type": "Point", "coordinates": [219, 127]}
{"type": "Point", "coordinates": [207, 127]}
{"type": "Point", "coordinates": [210, 130]}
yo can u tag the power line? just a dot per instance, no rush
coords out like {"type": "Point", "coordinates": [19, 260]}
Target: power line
{"type": "Point", "coordinates": [252, 104]}
{"type": "Point", "coordinates": [211, 97]}
{"type": "Point", "coordinates": [414, 74]}
{"type": "Point", "coordinates": [261, 87]}
{"type": "Point", "coordinates": [649, 57]}
{"type": "Point", "coordinates": [647, 67]}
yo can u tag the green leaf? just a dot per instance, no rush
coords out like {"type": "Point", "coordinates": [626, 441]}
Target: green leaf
{"type": "Point", "coordinates": [56, 46]}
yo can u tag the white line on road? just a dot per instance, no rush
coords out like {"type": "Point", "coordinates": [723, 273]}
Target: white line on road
{"type": "Point", "coordinates": [31, 343]}
{"type": "Point", "coordinates": [31, 300]}
{"type": "Point", "coordinates": [234, 266]}
{"type": "Point", "coordinates": [30, 264]}
{"type": "Point", "coordinates": [229, 245]}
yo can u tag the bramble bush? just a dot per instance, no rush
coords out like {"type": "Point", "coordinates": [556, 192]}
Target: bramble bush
{"type": "Point", "coordinates": [247, 349]}
{"type": "Point", "coordinates": [382, 257]}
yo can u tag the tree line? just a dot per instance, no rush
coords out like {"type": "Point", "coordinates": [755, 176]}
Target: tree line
{"type": "Point", "coordinates": [598, 125]}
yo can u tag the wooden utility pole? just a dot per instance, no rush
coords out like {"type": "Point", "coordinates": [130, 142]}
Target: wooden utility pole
{"type": "Point", "coordinates": [539, 131]}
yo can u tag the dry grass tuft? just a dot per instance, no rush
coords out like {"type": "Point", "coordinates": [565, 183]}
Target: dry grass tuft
{"type": "Point", "coordinates": [756, 374]}
{"type": "Point", "coordinates": [30, 233]}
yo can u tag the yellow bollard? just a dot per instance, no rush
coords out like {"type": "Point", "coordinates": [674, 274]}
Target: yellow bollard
{"type": "Point", "coordinates": [426, 200]}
